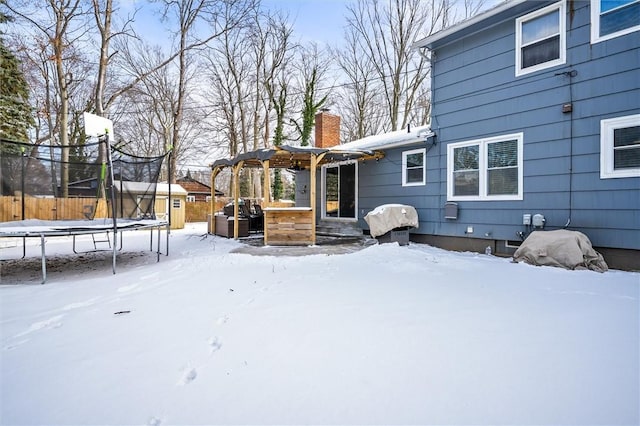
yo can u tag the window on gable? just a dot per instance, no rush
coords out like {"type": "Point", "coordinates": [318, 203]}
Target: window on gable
{"type": "Point", "coordinates": [613, 18]}
{"type": "Point", "coordinates": [620, 147]}
{"type": "Point", "coordinates": [487, 169]}
{"type": "Point", "coordinates": [413, 167]}
{"type": "Point", "coordinates": [541, 39]}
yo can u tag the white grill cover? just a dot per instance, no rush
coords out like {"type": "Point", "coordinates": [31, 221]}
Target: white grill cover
{"type": "Point", "coordinates": [386, 217]}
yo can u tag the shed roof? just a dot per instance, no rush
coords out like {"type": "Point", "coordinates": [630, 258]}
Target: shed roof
{"type": "Point", "coordinates": [143, 187]}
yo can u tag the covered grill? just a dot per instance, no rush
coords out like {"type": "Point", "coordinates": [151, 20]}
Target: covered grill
{"type": "Point", "coordinates": [391, 222]}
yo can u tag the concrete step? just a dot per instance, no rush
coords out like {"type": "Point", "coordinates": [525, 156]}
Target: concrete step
{"type": "Point", "coordinates": [336, 228]}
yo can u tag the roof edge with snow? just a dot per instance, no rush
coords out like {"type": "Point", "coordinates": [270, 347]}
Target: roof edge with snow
{"type": "Point", "coordinates": [395, 139]}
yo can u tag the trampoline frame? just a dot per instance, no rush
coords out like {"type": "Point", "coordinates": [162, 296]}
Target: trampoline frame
{"type": "Point", "coordinates": [33, 228]}
{"type": "Point", "coordinates": [43, 229]}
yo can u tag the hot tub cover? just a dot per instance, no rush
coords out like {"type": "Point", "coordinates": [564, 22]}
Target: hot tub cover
{"type": "Point", "coordinates": [562, 248]}
{"type": "Point", "coordinates": [387, 217]}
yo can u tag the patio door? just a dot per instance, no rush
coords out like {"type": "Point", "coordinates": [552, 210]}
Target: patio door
{"type": "Point", "coordinates": [339, 189]}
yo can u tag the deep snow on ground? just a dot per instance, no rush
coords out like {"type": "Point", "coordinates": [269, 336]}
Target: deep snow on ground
{"type": "Point", "coordinates": [386, 335]}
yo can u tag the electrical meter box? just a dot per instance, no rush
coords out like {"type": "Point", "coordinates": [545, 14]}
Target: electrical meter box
{"type": "Point", "coordinates": [538, 221]}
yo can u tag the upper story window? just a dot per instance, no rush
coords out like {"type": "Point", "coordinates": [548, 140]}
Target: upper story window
{"type": "Point", "coordinates": [413, 167]}
{"type": "Point", "coordinates": [620, 147]}
{"type": "Point", "coordinates": [486, 169]}
{"type": "Point", "coordinates": [191, 198]}
{"type": "Point", "coordinates": [541, 39]}
{"type": "Point", "coordinates": [613, 18]}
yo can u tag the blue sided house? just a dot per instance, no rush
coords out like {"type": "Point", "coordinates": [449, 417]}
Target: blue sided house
{"type": "Point", "coordinates": [535, 125]}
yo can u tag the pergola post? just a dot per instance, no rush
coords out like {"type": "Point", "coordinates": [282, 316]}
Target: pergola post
{"type": "Point", "coordinates": [312, 196]}
{"type": "Point", "coordinates": [236, 197]}
{"type": "Point", "coordinates": [266, 193]}
{"type": "Point", "coordinates": [212, 219]}
{"type": "Point", "coordinates": [314, 161]}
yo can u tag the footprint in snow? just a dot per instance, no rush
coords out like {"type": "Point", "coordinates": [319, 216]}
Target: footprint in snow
{"type": "Point", "coordinates": [154, 421]}
{"type": "Point", "coordinates": [214, 345]}
{"type": "Point", "coordinates": [222, 320]}
{"type": "Point", "coordinates": [188, 375]}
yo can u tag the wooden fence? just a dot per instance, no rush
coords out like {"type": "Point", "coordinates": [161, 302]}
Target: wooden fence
{"type": "Point", "coordinates": [82, 208]}
{"type": "Point", "coordinates": [51, 208]}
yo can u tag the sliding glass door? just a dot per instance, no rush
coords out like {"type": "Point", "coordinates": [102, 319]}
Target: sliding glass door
{"type": "Point", "coordinates": [339, 189]}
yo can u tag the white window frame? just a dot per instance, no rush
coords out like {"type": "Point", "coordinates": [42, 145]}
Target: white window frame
{"type": "Point", "coordinates": [191, 198]}
{"type": "Point", "coordinates": [323, 191]}
{"type": "Point", "coordinates": [560, 6]}
{"type": "Point", "coordinates": [482, 161]}
{"type": "Point", "coordinates": [607, 127]}
{"type": "Point", "coordinates": [405, 173]}
{"type": "Point", "coordinates": [595, 25]}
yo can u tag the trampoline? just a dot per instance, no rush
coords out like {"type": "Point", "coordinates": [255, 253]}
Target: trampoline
{"type": "Point", "coordinates": [42, 229]}
{"type": "Point", "coordinates": [50, 191]}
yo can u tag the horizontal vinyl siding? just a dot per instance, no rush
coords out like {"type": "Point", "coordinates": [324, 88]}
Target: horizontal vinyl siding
{"type": "Point", "coordinates": [380, 182]}
{"type": "Point", "coordinates": [476, 95]}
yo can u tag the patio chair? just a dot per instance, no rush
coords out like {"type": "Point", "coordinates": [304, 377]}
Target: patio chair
{"type": "Point", "coordinates": [255, 220]}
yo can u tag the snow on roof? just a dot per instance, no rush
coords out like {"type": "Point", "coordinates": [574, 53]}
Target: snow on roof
{"type": "Point", "coordinates": [398, 138]}
{"type": "Point", "coordinates": [162, 188]}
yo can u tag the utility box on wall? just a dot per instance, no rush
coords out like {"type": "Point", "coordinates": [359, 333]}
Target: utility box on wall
{"type": "Point", "coordinates": [451, 210]}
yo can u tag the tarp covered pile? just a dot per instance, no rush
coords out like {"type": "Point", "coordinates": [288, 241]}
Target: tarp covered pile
{"type": "Point", "coordinates": [562, 248]}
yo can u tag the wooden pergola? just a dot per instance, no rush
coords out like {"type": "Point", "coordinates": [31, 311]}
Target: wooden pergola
{"type": "Point", "coordinates": [292, 220]}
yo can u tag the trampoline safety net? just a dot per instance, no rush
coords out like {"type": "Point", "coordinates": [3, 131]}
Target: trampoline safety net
{"type": "Point", "coordinates": [48, 182]}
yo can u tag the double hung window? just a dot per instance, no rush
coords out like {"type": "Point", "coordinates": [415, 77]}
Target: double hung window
{"type": "Point", "coordinates": [414, 167]}
{"type": "Point", "coordinates": [486, 169]}
{"type": "Point", "coordinates": [620, 147]}
{"type": "Point", "coordinates": [541, 39]}
{"type": "Point", "coordinates": [613, 18]}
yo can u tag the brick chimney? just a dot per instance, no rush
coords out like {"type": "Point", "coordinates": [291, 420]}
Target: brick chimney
{"type": "Point", "coordinates": [327, 130]}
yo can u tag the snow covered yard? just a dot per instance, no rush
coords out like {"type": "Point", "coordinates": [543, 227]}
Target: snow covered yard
{"type": "Point", "coordinates": [385, 335]}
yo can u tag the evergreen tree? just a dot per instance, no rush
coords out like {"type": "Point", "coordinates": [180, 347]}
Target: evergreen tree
{"type": "Point", "coordinates": [15, 112]}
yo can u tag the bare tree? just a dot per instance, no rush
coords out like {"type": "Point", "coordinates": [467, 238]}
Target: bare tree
{"type": "Point", "coordinates": [243, 66]}
{"type": "Point", "coordinates": [220, 17]}
{"type": "Point", "coordinates": [360, 98]}
{"type": "Point", "coordinates": [387, 81]}
{"type": "Point", "coordinates": [385, 33]}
